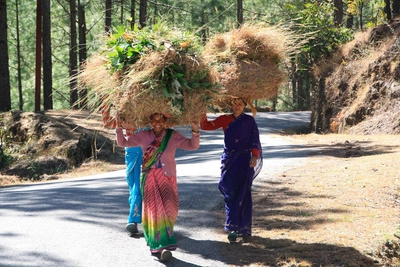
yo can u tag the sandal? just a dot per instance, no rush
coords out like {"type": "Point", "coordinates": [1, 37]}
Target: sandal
{"type": "Point", "coordinates": [132, 228]}
{"type": "Point", "coordinates": [166, 255]}
{"type": "Point", "coordinates": [232, 236]}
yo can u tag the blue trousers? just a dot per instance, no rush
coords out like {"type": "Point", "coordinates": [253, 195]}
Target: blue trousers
{"type": "Point", "coordinates": [133, 160]}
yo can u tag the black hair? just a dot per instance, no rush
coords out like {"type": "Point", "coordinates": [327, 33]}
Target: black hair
{"type": "Point", "coordinates": [151, 116]}
{"type": "Point", "coordinates": [241, 98]}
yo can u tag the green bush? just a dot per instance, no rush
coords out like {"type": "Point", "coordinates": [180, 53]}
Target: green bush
{"type": "Point", "coordinates": [5, 159]}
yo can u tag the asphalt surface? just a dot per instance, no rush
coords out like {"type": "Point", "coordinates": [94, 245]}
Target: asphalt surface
{"type": "Point", "coordinates": [81, 222]}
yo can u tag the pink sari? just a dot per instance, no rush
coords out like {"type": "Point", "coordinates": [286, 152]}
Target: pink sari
{"type": "Point", "coordinates": [160, 198]}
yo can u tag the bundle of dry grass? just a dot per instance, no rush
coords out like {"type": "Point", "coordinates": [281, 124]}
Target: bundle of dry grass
{"type": "Point", "coordinates": [246, 61]}
{"type": "Point", "coordinates": [152, 70]}
{"type": "Point", "coordinates": [97, 77]}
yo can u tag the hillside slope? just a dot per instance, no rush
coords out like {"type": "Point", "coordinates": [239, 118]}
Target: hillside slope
{"type": "Point", "coordinates": [46, 144]}
{"type": "Point", "coordinates": [358, 87]}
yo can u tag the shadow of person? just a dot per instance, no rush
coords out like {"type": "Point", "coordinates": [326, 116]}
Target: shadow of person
{"type": "Point", "coordinates": [274, 252]}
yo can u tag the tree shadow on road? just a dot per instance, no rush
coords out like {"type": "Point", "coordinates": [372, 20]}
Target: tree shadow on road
{"type": "Point", "coordinates": [275, 252]}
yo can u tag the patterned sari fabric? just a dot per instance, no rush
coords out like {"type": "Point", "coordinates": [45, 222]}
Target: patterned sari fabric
{"type": "Point", "coordinates": [236, 175]}
{"type": "Point", "coordinates": [160, 198]}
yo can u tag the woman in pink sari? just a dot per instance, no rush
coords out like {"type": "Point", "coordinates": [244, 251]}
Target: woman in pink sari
{"type": "Point", "coordinates": [158, 181]}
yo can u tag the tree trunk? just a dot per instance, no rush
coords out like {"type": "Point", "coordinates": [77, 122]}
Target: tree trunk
{"type": "Point", "coordinates": [21, 99]}
{"type": "Point", "coordinates": [317, 110]}
{"type": "Point", "coordinates": [388, 11]}
{"type": "Point", "coordinates": [154, 20]}
{"type": "Point", "coordinates": [82, 49]}
{"type": "Point", "coordinates": [361, 12]}
{"type": "Point", "coordinates": [203, 22]}
{"type": "Point", "coordinates": [73, 58]}
{"type": "Point", "coordinates": [300, 79]}
{"type": "Point", "coordinates": [395, 8]}
{"type": "Point", "coordinates": [122, 12]}
{"type": "Point", "coordinates": [133, 17]}
{"type": "Point", "coordinates": [5, 96]}
{"type": "Point", "coordinates": [239, 12]}
{"type": "Point", "coordinates": [107, 27]}
{"type": "Point", "coordinates": [307, 92]}
{"type": "Point", "coordinates": [294, 90]}
{"type": "Point", "coordinates": [47, 62]}
{"type": "Point", "coordinates": [350, 21]}
{"type": "Point", "coordinates": [142, 13]}
{"type": "Point", "coordinates": [303, 91]}
{"type": "Point", "coordinates": [38, 72]}
{"type": "Point", "coordinates": [274, 103]}
{"type": "Point", "coordinates": [338, 12]}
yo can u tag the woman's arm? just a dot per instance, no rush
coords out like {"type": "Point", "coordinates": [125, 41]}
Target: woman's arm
{"type": "Point", "coordinates": [220, 122]}
{"type": "Point", "coordinates": [139, 139]}
{"type": "Point", "coordinates": [121, 140]}
{"type": "Point", "coordinates": [180, 141]}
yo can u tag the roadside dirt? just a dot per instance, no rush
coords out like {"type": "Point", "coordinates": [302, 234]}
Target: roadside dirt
{"type": "Point", "coordinates": [340, 209]}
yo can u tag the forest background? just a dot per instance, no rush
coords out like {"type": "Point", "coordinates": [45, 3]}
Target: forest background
{"type": "Point", "coordinates": [37, 62]}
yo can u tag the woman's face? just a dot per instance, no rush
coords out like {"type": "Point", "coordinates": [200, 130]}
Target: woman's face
{"type": "Point", "coordinates": [238, 106]}
{"type": "Point", "coordinates": [157, 123]}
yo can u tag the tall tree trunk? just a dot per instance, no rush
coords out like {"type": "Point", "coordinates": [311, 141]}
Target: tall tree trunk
{"type": "Point", "coordinates": [155, 13]}
{"type": "Point", "coordinates": [307, 92]}
{"type": "Point", "coordinates": [122, 12]}
{"type": "Point", "coordinates": [38, 76]}
{"type": "Point", "coordinates": [142, 13]}
{"type": "Point", "coordinates": [388, 10]}
{"type": "Point", "coordinates": [274, 102]}
{"type": "Point", "coordinates": [5, 96]}
{"type": "Point", "coordinates": [82, 48]}
{"type": "Point", "coordinates": [21, 99]}
{"type": "Point", "coordinates": [302, 92]}
{"type": "Point", "coordinates": [294, 90]}
{"type": "Point", "coordinates": [133, 17]}
{"type": "Point", "coordinates": [317, 110]}
{"type": "Point", "coordinates": [361, 12]}
{"type": "Point", "coordinates": [350, 21]}
{"type": "Point", "coordinates": [338, 12]}
{"type": "Point", "coordinates": [300, 81]}
{"type": "Point", "coordinates": [396, 8]}
{"type": "Point", "coordinates": [203, 23]}
{"type": "Point", "coordinates": [73, 58]}
{"type": "Point", "coordinates": [107, 27]}
{"type": "Point", "coordinates": [239, 12]}
{"type": "Point", "coordinates": [47, 62]}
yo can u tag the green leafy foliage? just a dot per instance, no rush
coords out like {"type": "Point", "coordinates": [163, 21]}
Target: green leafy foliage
{"type": "Point", "coordinates": [127, 48]}
{"type": "Point", "coordinates": [168, 62]}
{"type": "Point", "coordinates": [315, 22]}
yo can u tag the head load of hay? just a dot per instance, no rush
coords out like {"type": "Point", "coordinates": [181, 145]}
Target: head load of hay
{"type": "Point", "coordinates": [246, 61]}
{"type": "Point", "coordinates": [141, 72]}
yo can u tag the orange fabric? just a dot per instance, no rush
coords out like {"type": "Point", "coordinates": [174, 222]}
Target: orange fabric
{"type": "Point", "coordinates": [107, 120]}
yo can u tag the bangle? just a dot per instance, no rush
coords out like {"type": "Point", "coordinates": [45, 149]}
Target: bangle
{"type": "Point", "coordinates": [194, 132]}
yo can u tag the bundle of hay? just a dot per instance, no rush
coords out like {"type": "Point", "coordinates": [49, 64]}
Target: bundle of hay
{"type": "Point", "coordinates": [156, 69]}
{"type": "Point", "coordinates": [246, 61]}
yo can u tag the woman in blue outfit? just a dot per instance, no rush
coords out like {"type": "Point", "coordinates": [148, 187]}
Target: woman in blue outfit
{"type": "Point", "coordinates": [241, 162]}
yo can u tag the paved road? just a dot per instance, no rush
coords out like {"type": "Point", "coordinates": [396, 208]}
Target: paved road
{"type": "Point", "coordinates": [80, 222]}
